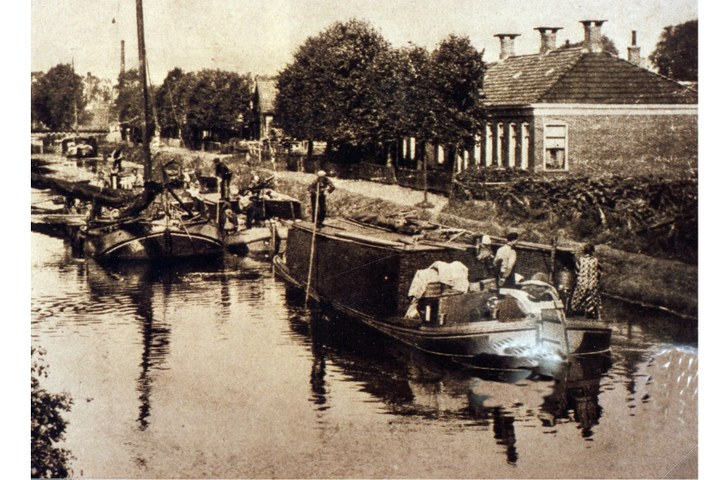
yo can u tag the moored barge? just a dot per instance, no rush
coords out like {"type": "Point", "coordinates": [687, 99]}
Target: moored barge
{"type": "Point", "coordinates": [367, 273]}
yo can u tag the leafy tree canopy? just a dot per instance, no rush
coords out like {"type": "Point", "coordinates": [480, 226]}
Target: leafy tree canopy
{"type": "Point", "coordinates": [457, 71]}
{"type": "Point", "coordinates": [216, 100]}
{"type": "Point", "coordinates": [330, 91]}
{"type": "Point", "coordinates": [172, 99]}
{"type": "Point", "coordinates": [57, 99]}
{"type": "Point", "coordinates": [676, 54]}
{"type": "Point", "coordinates": [129, 101]}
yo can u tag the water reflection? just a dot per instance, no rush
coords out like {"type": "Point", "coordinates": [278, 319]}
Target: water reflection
{"type": "Point", "coordinates": [413, 384]}
{"type": "Point", "coordinates": [170, 355]}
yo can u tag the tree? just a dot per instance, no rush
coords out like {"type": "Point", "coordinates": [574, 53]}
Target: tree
{"type": "Point", "coordinates": [329, 91]}
{"type": "Point", "coordinates": [172, 102]}
{"type": "Point", "coordinates": [456, 80]}
{"type": "Point", "coordinates": [97, 93]}
{"type": "Point", "coordinates": [676, 54]}
{"type": "Point", "coordinates": [57, 98]}
{"type": "Point", "coordinates": [47, 425]}
{"type": "Point", "coordinates": [218, 102]}
{"type": "Point", "coordinates": [129, 103]}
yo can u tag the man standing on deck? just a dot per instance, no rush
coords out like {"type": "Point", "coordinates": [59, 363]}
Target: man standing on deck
{"type": "Point", "coordinates": [318, 189]}
{"type": "Point", "coordinates": [505, 259]}
{"type": "Point", "coordinates": [224, 175]}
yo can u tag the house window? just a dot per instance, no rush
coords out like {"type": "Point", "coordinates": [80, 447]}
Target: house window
{"type": "Point", "coordinates": [555, 147]}
{"type": "Point", "coordinates": [525, 146]}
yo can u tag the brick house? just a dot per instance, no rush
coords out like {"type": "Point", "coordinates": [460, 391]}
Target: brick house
{"type": "Point", "coordinates": [583, 110]}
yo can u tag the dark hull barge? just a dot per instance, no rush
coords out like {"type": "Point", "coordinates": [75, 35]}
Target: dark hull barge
{"type": "Point", "coordinates": [367, 273]}
{"type": "Point", "coordinates": [139, 240]}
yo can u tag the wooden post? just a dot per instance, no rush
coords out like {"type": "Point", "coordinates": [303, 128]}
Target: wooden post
{"type": "Point", "coordinates": [312, 242]}
{"type": "Point", "coordinates": [452, 175]}
{"type": "Point", "coordinates": [553, 255]}
{"type": "Point", "coordinates": [425, 186]}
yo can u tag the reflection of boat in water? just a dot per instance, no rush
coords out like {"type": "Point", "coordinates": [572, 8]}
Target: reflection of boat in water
{"type": "Point", "coordinates": [408, 382]}
{"type": "Point", "coordinates": [368, 273]}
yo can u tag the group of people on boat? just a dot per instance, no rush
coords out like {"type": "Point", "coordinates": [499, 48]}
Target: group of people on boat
{"type": "Point", "coordinates": [584, 299]}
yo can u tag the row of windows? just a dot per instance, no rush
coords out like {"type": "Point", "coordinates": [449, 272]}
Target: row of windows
{"type": "Point", "coordinates": [555, 136]}
{"type": "Point", "coordinates": [517, 147]}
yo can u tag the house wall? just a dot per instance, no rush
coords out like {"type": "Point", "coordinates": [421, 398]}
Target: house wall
{"type": "Point", "coordinates": [622, 143]}
{"type": "Point", "coordinates": [600, 139]}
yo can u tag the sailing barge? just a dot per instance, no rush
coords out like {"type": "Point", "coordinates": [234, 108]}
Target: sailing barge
{"type": "Point", "coordinates": [368, 273]}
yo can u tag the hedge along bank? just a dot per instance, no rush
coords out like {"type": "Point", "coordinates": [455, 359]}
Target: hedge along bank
{"type": "Point", "coordinates": [637, 278]}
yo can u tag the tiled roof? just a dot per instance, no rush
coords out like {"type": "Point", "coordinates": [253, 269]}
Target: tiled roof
{"type": "Point", "coordinates": [266, 91]}
{"type": "Point", "coordinates": [524, 79]}
{"type": "Point", "coordinates": [573, 75]}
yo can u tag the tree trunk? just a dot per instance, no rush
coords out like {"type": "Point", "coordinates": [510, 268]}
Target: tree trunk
{"type": "Point", "coordinates": [311, 147]}
{"type": "Point", "coordinates": [453, 165]}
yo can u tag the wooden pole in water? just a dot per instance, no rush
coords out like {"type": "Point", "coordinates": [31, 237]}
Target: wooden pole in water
{"type": "Point", "coordinates": [312, 242]}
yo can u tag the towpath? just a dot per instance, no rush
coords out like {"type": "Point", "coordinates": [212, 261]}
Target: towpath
{"type": "Point", "coordinates": [393, 193]}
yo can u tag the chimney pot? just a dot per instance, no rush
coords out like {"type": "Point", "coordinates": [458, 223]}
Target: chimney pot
{"type": "Point", "coordinates": [593, 35]}
{"type": "Point", "coordinates": [634, 51]}
{"type": "Point", "coordinates": [548, 36]}
{"type": "Point", "coordinates": [507, 44]}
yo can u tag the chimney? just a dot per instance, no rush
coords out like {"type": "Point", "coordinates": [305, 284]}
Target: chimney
{"type": "Point", "coordinates": [634, 51]}
{"type": "Point", "coordinates": [122, 56]}
{"type": "Point", "coordinates": [548, 36]}
{"type": "Point", "coordinates": [593, 35]}
{"type": "Point", "coordinates": [507, 44]}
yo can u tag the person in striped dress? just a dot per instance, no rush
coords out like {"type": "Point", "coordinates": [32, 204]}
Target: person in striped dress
{"type": "Point", "coordinates": [586, 296]}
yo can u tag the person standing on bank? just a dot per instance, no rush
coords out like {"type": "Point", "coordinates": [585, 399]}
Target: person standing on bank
{"type": "Point", "coordinates": [505, 259]}
{"type": "Point", "coordinates": [318, 189]}
{"type": "Point", "coordinates": [224, 174]}
{"type": "Point", "coordinates": [586, 296]}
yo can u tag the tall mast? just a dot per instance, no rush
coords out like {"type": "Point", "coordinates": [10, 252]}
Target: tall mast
{"type": "Point", "coordinates": [146, 103]}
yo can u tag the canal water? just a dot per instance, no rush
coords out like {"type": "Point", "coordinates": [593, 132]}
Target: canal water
{"type": "Point", "coordinates": [218, 370]}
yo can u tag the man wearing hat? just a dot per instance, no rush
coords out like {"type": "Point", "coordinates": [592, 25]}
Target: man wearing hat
{"type": "Point", "coordinates": [504, 262]}
{"type": "Point", "coordinates": [224, 174]}
{"type": "Point", "coordinates": [318, 189]}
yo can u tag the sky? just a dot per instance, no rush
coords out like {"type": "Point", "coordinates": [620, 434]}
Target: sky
{"type": "Point", "coordinates": [260, 36]}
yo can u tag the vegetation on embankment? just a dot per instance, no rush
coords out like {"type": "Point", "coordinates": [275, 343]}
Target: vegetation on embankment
{"type": "Point", "coordinates": [655, 282]}
{"type": "Point", "coordinates": [655, 215]}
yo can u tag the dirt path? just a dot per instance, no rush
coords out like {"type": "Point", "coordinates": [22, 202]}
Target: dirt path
{"type": "Point", "coordinates": [393, 193]}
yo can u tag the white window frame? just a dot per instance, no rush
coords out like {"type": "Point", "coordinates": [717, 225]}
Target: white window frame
{"type": "Point", "coordinates": [549, 141]}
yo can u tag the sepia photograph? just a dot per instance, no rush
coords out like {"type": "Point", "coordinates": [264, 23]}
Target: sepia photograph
{"type": "Point", "coordinates": [363, 239]}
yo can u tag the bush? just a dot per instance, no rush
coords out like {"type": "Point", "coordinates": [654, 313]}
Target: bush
{"type": "Point", "coordinates": [47, 425]}
{"type": "Point", "coordinates": [646, 214]}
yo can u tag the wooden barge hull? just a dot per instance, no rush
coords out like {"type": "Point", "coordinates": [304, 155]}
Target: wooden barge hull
{"type": "Point", "coordinates": [126, 244]}
{"type": "Point", "coordinates": [508, 345]}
